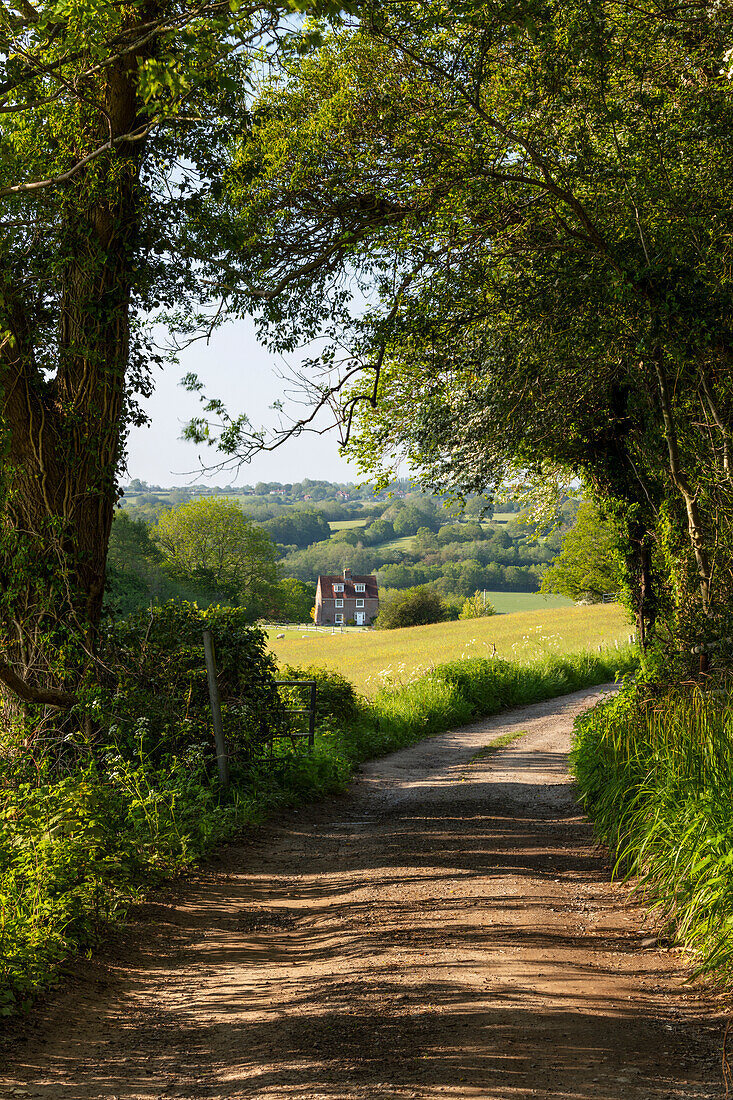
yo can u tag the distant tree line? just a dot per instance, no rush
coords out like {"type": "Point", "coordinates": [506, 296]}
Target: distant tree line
{"type": "Point", "coordinates": [409, 542]}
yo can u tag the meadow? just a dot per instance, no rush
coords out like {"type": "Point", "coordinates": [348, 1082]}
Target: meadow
{"type": "Point", "coordinates": [372, 659]}
{"type": "Point", "coordinates": [347, 524]}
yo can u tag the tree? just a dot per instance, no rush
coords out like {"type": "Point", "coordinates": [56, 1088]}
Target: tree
{"type": "Point", "coordinates": [476, 607]}
{"type": "Point", "coordinates": [589, 565]}
{"type": "Point", "coordinates": [295, 600]}
{"type": "Point", "coordinates": [210, 542]}
{"type": "Point", "coordinates": [381, 530]}
{"type": "Point", "coordinates": [552, 257]}
{"type": "Point", "coordinates": [134, 566]}
{"type": "Point", "coordinates": [413, 607]}
{"type": "Point", "coordinates": [299, 527]}
{"type": "Point", "coordinates": [117, 121]}
{"type": "Point", "coordinates": [425, 540]}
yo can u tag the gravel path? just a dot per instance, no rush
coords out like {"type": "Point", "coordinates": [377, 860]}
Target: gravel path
{"type": "Point", "coordinates": [446, 929]}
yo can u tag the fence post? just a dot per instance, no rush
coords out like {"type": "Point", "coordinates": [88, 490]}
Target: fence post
{"type": "Point", "coordinates": [312, 716]}
{"type": "Point", "coordinates": [221, 752]}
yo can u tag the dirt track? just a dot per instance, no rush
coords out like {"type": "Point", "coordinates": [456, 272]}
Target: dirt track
{"type": "Point", "coordinates": [447, 929]}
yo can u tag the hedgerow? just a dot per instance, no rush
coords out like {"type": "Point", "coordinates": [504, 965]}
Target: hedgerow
{"type": "Point", "coordinates": [84, 836]}
{"type": "Point", "coordinates": [655, 770]}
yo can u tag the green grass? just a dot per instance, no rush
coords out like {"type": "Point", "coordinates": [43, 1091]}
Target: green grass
{"type": "Point", "coordinates": [375, 658]}
{"type": "Point", "coordinates": [406, 542]}
{"type": "Point", "coordinates": [501, 742]}
{"type": "Point", "coordinates": [656, 774]}
{"type": "Point", "coordinates": [347, 524]}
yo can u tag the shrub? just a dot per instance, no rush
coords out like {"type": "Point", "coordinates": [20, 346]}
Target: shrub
{"type": "Point", "coordinates": [336, 697]}
{"type": "Point", "coordinates": [413, 607]}
{"type": "Point", "coordinates": [156, 701]}
{"type": "Point", "coordinates": [476, 607]}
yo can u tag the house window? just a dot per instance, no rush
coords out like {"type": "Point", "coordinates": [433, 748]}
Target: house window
{"type": "Point", "coordinates": [339, 603]}
{"type": "Point", "coordinates": [338, 588]}
{"type": "Point", "coordinates": [359, 603]}
{"type": "Point", "coordinates": [360, 587]}
{"type": "Point", "coordinates": [339, 618]}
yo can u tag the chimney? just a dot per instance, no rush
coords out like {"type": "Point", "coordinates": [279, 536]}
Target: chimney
{"type": "Point", "coordinates": [347, 574]}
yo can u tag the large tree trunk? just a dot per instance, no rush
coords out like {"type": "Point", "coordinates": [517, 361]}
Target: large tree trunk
{"type": "Point", "coordinates": [61, 437]}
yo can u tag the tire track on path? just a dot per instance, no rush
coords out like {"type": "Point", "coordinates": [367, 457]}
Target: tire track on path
{"type": "Point", "coordinates": [446, 929]}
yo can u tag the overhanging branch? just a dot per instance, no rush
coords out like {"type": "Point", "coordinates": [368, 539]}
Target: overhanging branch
{"type": "Point", "coordinates": [51, 697]}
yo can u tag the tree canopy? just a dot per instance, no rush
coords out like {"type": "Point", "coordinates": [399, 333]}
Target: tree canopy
{"type": "Point", "coordinates": [589, 564]}
{"type": "Point", "coordinates": [211, 542]}
{"type": "Point", "coordinates": [118, 120]}
{"type": "Point", "coordinates": [534, 204]}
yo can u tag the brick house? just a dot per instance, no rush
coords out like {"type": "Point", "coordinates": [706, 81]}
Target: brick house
{"type": "Point", "coordinates": [346, 599]}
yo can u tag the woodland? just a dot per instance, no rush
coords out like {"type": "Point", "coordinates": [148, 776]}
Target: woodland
{"type": "Point", "coordinates": [504, 230]}
{"type": "Point", "coordinates": [408, 540]}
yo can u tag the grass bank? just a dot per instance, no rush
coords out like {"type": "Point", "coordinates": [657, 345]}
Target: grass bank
{"type": "Point", "coordinates": [373, 659]}
{"type": "Point", "coordinates": [656, 775]}
{"type": "Point", "coordinates": [76, 851]}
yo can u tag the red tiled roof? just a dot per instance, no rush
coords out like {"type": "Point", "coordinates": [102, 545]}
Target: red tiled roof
{"type": "Point", "coordinates": [326, 584]}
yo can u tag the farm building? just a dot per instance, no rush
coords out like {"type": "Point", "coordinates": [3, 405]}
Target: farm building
{"type": "Point", "coordinates": [346, 599]}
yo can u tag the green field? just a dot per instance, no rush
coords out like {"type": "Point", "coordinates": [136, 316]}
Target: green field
{"type": "Point", "coordinates": [507, 603]}
{"type": "Point", "coordinates": [347, 524]}
{"type": "Point", "coordinates": [373, 658]}
{"type": "Point", "coordinates": [407, 543]}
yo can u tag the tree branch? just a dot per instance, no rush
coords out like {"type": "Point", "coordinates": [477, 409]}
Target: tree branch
{"type": "Point", "coordinates": [51, 697]}
{"type": "Point", "coordinates": [62, 177]}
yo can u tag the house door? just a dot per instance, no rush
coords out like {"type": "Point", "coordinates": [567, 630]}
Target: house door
{"type": "Point", "coordinates": [359, 618]}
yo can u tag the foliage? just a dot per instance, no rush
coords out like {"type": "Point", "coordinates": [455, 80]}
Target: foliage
{"type": "Point", "coordinates": [135, 573]}
{"type": "Point", "coordinates": [157, 701]}
{"type": "Point", "coordinates": [116, 117]}
{"type": "Point", "coordinates": [590, 564]}
{"type": "Point", "coordinates": [548, 259]}
{"type": "Point", "coordinates": [212, 543]}
{"type": "Point", "coordinates": [294, 600]}
{"type": "Point", "coordinates": [476, 607]}
{"type": "Point", "coordinates": [299, 527]}
{"type": "Point", "coordinates": [655, 768]}
{"type": "Point", "coordinates": [412, 607]}
{"type": "Point", "coordinates": [74, 852]}
{"type": "Point", "coordinates": [336, 697]}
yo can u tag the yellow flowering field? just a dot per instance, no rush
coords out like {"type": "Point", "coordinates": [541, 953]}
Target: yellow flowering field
{"type": "Point", "coordinates": [375, 658]}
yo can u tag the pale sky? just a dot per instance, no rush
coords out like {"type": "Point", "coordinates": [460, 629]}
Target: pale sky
{"type": "Point", "coordinates": [234, 367]}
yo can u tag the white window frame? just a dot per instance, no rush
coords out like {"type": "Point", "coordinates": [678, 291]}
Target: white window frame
{"type": "Point", "coordinates": [338, 588]}
{"type": "Point", "coordinates": [338, 603]}
{"type": "Point", "coordinates": [359, 603]}
{"type": "Point", "coordinates": [339, 618]}
{"type": "Point", "coordinates": [360, 587]}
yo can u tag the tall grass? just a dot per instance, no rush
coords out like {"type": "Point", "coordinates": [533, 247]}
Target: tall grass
{"type": "Point", "coordinates": [462, 691]}
{"type": "Point", "coordinates": [656, 776]}
{"type": "Point", "coordinates": [372, 659]}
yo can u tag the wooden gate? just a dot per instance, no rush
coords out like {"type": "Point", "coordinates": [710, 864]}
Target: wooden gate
{"type": "Point", "coordinates": [265, 745]}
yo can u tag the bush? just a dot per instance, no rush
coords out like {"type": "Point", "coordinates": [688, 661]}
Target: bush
{"type": "Point", "coordinates": [336, 698]}
{"type": "Point", "coordinates": [156, 700]}
{"type": "Point", "coordinates": [476, 607]}
{"type": "Point", "coordinates": [413, 607]}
